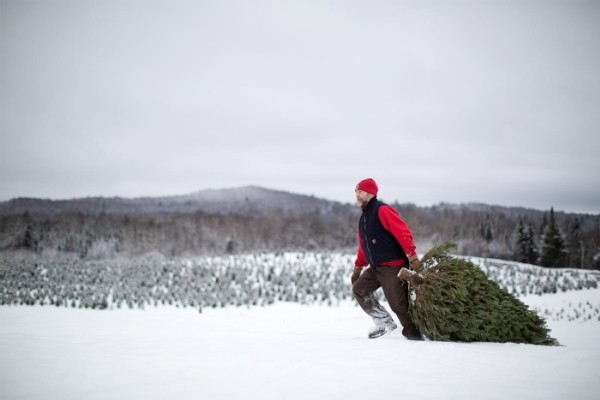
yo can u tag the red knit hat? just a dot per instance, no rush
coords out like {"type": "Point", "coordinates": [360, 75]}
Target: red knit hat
{"type": "Point", "coordinates": [368, 185]}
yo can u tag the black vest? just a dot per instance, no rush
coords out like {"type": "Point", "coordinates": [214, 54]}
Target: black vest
{"type": "Point", "coordinates": [378, 244]}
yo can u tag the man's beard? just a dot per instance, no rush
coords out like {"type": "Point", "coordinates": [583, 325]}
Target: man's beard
{"type": "Point", "coordinates": [361, 203]}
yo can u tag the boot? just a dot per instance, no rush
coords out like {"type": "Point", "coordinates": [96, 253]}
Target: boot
{"type": "Point", "coordinates": [382, 329]}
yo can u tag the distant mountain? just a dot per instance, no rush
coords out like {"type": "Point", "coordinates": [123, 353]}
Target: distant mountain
{"type": "Point", "coordinates": [245, 200]}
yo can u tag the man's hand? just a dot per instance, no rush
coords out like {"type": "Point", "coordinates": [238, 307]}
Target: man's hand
{"type": "Point", "coordinates": [355, 275]}
{"type": "Point", "coordinates": [415, 263]}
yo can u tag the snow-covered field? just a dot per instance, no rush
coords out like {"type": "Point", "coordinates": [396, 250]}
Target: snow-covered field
{"type": "Point", "coordinates": [282, 351]}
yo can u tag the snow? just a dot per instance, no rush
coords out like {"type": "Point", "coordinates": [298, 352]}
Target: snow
{"type": "Point", "coordinates": [283, 351]}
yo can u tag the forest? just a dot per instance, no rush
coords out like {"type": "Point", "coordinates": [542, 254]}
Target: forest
{"type": "Point", "coordinates": [254, 220]}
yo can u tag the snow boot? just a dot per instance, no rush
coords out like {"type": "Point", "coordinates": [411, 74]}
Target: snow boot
{"type": "Point", "coordinates": [381, 330]}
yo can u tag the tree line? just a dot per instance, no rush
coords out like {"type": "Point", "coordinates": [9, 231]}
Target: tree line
{"type": "Point", "coordinates": [547, 238]}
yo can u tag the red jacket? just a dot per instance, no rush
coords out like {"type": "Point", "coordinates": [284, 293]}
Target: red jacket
{"type": "Point", "coordinates": [391, 221]}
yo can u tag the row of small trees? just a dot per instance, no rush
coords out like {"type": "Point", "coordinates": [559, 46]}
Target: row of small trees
{"type": "Point", "coordinates": [208, 282]}
{"type": "Point", "coordinates": [236, 280]}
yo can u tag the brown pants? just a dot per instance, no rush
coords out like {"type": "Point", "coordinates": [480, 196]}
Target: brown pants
{"type": "Point", "coordinates": [395, 291]}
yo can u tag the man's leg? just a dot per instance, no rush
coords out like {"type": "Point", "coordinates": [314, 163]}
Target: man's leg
{"type": "Point", "coordinates": [396, 293]}
{"type": "Point", "coordinates": [364, 293]}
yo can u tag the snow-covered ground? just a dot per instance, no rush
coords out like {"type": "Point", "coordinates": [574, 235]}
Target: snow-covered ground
{"type": "Point", "coordinates": [283, 351]}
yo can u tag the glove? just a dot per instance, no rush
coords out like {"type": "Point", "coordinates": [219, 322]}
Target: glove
{"type": "Point", "coordinates": [355, 275]}
{"type": "Point", "coordinates": [415, 263]}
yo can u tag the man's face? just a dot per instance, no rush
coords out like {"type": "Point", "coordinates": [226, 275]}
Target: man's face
{"type": "Point", "coordinates": [362, 197]}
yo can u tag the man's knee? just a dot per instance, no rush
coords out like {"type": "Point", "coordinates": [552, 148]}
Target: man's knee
{"type": "Point", "coordinates": [358, 291]}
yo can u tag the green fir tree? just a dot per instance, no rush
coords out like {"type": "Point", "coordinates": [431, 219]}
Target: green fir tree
{"type": "Point", "coordinates": [576, 246]}
{"type": "Point", "coordinates": [553, 244]}
{"type": "Point", "coordinates": [487, 229]}
{"type": "Point", "coordinates": [525, 249]}
{"type": "Point", "coordinates": [455, 301]}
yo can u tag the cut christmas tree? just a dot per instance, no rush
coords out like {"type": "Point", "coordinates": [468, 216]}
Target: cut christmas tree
{"type": "Point", "coordinates": [455, 301]}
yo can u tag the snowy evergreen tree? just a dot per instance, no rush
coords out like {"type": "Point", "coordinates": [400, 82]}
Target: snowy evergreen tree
{"type": "Point", "coordinates": [543, 224]}
{"type": "Point", "coordinates": [29, 241]}
{"type": "Point", "coordinates": [487, 229]}
{"type": "Point", "coordinates": [553, 244]}
{"type": "Point", "coordinates": [525, 249]}
{"type": "Point", "coordinates": [576, 247]}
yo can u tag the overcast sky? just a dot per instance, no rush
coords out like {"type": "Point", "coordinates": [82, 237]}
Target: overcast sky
{"type": "Point", "coordinates": [484, 101]}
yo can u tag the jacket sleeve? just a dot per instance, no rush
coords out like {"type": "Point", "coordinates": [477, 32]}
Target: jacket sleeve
{"type": "Point", "coordinates": [390, 219]}
{"type": "Point", "coordinates": [360, 261]}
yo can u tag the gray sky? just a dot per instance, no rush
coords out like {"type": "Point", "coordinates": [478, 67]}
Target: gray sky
{"type": "Point", "coordinates": [484, 101]}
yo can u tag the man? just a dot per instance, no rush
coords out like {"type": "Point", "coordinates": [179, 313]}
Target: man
{"type": "Point", "coordinates": [385, 243]}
